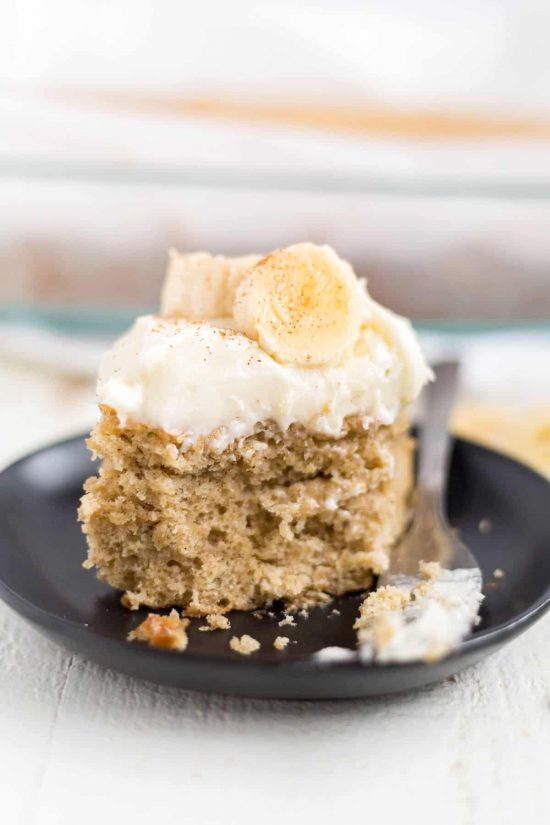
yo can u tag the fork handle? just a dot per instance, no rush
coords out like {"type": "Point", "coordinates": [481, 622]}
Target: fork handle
{"type": "Point", "coordinates": [434, 439]}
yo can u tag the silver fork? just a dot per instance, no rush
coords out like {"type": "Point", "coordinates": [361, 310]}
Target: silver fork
{"type": "Point", "coordinates": [430, 538]}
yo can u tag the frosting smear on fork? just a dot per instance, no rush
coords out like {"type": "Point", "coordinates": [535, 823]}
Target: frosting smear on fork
{"type": "Point", "coordinates": [419, 619]}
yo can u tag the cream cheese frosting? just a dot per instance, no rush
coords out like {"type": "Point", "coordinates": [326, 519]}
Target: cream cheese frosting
{"type": "Point", "coordinates": [201, 378]}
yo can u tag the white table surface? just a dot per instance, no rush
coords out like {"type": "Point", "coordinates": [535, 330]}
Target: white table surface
{"type": "Point", "coordinates": [79, 744]}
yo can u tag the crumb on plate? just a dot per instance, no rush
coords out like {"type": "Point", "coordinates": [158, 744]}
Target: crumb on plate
{"type": "Point", "coordinates": [215, 621]}
{"type": "Point", "coordinates": [167, 632]}
{"type": "Point", "coordinates": [281, 642]}
{"type": "Point", "coordinates": [130, 601]}
{"type": "Point", "coordinates": [245, 645]}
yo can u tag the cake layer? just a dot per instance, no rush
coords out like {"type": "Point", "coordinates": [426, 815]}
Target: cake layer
{"type": "Point", "coordinates": [280, 514]}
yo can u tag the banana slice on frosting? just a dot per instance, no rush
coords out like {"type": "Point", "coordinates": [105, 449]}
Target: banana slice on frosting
{"type": "Point", "coordinates": [303, 305]}
{"type": "Point", "coordinates": [200, 286]}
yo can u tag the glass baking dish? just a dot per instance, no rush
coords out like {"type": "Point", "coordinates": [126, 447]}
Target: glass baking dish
{"type": "Point", "coordinates": [84, 246]}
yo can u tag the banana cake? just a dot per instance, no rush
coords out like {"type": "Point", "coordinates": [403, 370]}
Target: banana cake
{"type": "Point", "coordinates": [253, 436]}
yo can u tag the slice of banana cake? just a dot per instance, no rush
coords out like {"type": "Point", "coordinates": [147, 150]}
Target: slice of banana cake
{"type": "Point", "coordinates": [253, 436]}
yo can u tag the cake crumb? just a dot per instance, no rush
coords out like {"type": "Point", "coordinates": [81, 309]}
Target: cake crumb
{"type": "Point", "coordinates": [485, 526]}
{"type": "Point", "coordinates": [216, 622]}
{"type": "Point", "coordinates": [429, 570]}
{"type": "Point", "coordinates": [385, 599]}
{"type": "Point", "coordinates": [167, 632]}
{"type": "Point", "coordinates": [288, 620]}
{"type": "Point", "coordinates": [245, 645]}
{"type": "Point", "coordinates": [258, 614]}
{"type": "Point", "coordinates": [130, 601]}
{"type": "Point", "coordinates": [281, 642]}
{"type": "Point", "coordinates": [335, 612]}
{"type": "Point", "coordinates": [304, 613]}
{"type": "Point", "coordinates": [498, 573]}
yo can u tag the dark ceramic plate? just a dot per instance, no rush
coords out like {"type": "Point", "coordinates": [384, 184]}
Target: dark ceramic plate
{"type": "Point", "coordinates": [41, 577]}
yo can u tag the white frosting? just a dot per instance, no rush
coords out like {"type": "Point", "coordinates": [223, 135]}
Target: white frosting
{"type": "Point", "coordinates": [195, 378]}
{"type": "Point", "coordinates": [331, 655]}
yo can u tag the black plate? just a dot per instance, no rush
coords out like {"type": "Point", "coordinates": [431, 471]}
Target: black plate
{"type": "Point", "coordinates": [42, 549]}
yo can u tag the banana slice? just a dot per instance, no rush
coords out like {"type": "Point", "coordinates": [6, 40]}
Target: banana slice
{"type": "Point", "coordinates": [302, 304]}
{"type": "Point", "coordinates": [200, 286]}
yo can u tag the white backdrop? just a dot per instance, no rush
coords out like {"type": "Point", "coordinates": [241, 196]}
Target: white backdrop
{"type": "Point", "coordinates": [472, 58]}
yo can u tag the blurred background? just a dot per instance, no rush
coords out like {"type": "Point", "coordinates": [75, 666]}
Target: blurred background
{"type": "Point", "coordinates": [413, 136]}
